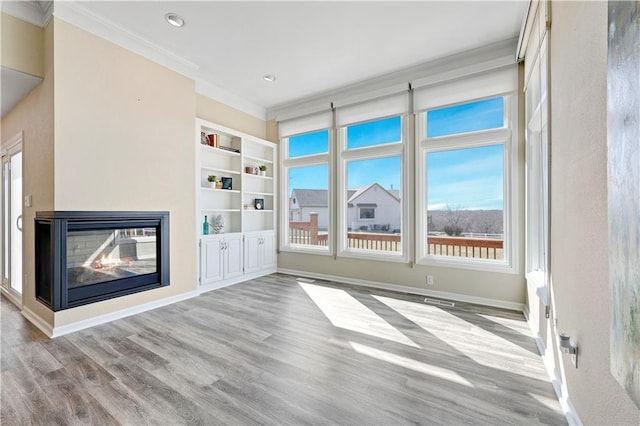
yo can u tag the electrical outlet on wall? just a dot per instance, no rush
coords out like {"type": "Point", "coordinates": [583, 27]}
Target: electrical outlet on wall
{"type": "Point", "coordinates": [429, 279]}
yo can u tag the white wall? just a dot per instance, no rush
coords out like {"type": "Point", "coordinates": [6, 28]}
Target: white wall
{"type": "Point", "coordinates": [124, 140]}
{"type": "Point", "coordinates": [34, 116]}
{"type": "Point", "coordinates": [579, 227]}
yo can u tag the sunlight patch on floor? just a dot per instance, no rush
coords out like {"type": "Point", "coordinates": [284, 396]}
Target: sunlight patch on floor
{"type": "Point", "coordinates": [551, 403]}
{"type": "Point", "coordinates": [509, 323]}
{"type": "Point", "coordinates": [412, 364]}
{"type": "Point", "coordinates": [344, 311]}
{"type": "Point", "coordinates": [480, 345]}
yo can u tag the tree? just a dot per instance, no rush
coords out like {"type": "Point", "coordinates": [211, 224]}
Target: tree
{"type": "Point", "coordinates": [454, 226]}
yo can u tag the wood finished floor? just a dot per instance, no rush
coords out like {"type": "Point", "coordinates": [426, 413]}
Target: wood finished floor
{"type": "Point", "coordinates": [276, 351]}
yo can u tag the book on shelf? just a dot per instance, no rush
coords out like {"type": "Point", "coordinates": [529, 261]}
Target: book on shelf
{"type": "Point", "coordinates": [214, 140]}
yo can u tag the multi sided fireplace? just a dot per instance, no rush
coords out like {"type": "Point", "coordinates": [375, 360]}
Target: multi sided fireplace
{"type": "Point", "coordinates": [85, 257]}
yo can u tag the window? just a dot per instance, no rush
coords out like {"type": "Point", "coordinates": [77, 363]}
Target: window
{"type": "Point", "coordinates": [371, 207]}
{"type": "Point", "coordinates": [367, 212]}
{"type": "Point", "coordinates": [537, 156]}
{"type": "Point", "coordinates": [306, 182]}
{"type": "Point", "coordinates": [373, 133]}
{"type": "Point", "coordinates": [309, 144]}
{"type": "Point", "coordinates": [469, 117]}
{"type": "Point", "coordinates": [467, 163]}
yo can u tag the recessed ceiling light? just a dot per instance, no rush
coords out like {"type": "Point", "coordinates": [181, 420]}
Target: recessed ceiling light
{"type": "Point", "coordinates": [174, 19]}
{"type": "Point", "coordinates": [269, 77]}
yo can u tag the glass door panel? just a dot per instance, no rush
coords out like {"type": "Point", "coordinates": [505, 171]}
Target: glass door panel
{"type": "Point", "coordinates": [6, 218]}
{"type": "Point", "coordinates": [12, 220]}
{"type": "Point", "coordinates": [16, 222]}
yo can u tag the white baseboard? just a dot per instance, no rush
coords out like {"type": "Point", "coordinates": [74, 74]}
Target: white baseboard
{"type": "Point", "coordinates": [81, 325]}
{"type": "Point", "coordinates": [35, 319]}
{"type": "Point", "coordinates": [53, 332]}
{"type": "Point", "coordinates": [549, 364]}
{"type": "Point", "coordinates": [411, 290]}
{"type": "Point", "coordinates": [11, 297]}
{"type": "Point", "coordinates": [222, 284]}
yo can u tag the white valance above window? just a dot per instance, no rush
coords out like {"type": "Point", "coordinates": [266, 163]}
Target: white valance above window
{"type": "Point", "coordinates": [305, 124]}
{"type": "Point", "coordinates": [385, 106]}
{"type": "Point", "coordinates": [478, 86]}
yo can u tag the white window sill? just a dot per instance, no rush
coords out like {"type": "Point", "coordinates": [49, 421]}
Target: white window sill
{"type": "Point", "coordinates": [307, 250]}
{"type": "Point", "coordinates": [471, 264]}
{"type": "Point", "coordinates": [371, 255]}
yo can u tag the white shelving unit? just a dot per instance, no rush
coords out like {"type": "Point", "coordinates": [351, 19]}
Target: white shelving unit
{"type": "Point", "coordinates": [235, 204]}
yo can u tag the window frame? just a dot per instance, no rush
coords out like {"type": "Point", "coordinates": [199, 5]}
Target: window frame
{"type": "Point", "coordinates": [373, 152]}
{"type": "Point", "coordinates": [373, 216]}
{"type": "Point", "coordinates": [506, 135]}
{"type": "Point", "coordinates": [299, 162]}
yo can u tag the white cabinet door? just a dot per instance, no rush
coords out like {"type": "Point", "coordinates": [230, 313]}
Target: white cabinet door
{"type": "Point", "coordinates": [211, 267]}
{"type": "Point", "coordinates": [233, 256]}
{"type": "Point", "coordinates": [252, 255]}
{"type": "Point", "coordinates": [268, 250]}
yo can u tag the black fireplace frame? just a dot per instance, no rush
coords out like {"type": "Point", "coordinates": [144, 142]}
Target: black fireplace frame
{"type": "Point", "coordinates": [51, 229]}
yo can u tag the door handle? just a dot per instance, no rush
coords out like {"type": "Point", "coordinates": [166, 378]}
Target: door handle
{"type": "Point", "coordinates": [19, 223]}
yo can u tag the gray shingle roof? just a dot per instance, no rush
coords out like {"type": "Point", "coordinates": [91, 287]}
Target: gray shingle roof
{"type": "Point", "coordinates": [310, 197]}
{"type": "Point", "coordinates": [318, 197]}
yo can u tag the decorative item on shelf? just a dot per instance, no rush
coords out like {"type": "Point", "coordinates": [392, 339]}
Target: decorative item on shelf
{"type": "Point", "coordinates": [263, 170]}
{"type": "Point", "coordinates": [251, 170]}
{"type": "Point", "coordinates": [227, 183]}
{"type": "Point", "coordinates": [205, 226]}
{"type": "Point", "coordinates": [213, 140]}
{"type": "Point", "coordinates": [212, 180]}
{"type": "Point", "coordinates": [258, 203]}
{"type": "Point", "coordinates": [228, 148]}
{"type": "Point", "coordinates": [218, 225]}
{"type": "Point", "coordinates": [204, 140]}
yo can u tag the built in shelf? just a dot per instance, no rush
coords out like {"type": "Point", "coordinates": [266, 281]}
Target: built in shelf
{"type": "Point", "coordinates": [222, 210]}
{"type": "Point", "coordinates": [218, 151]}
{"type": "Point", "coordinates": [268, 194]}
{"type": "Point", "coordinates": [262, 160]}
{"type": "Point", "coordinates": [258, 211]}
{"type": "Point", "coordinates": [217, 169]}
{"type": "Point", "coordinates": [233, 191]}
{"type": "Point", "coordinates": [258, 176]}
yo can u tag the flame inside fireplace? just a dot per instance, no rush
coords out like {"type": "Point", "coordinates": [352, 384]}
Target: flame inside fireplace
{"type": "Point", "coordinates": [106, 261]}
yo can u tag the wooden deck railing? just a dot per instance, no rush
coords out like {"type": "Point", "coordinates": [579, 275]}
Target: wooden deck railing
{"type": "Point", "coordinates": [306, 233]}
{"type": "Point", "coordinates": [373, 241]}
{"type": "Point", "coordinates": [466, 247]}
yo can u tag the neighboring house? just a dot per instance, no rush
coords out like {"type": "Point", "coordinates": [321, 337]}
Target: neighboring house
{"type": "Point", "coordinates": [305, 201]}
{"type": "Point", "coordinates": [370, 208]}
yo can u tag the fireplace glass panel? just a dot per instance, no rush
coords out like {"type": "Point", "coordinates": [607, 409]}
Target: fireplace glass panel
{"type": "Point", "coordinates": [101, 255]}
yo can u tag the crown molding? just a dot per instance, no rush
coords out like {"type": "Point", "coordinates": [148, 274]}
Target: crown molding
{"type": "Point", "coordinates": [47, 7]}
{"type": "Point", "coordinates": [28, 11]}
{"type": "Point", "coordinates": [493, 56]}
{"type": "Point", "coordinates": [213, 91]}
{"type": "Point", "coordinates": [75, 14]}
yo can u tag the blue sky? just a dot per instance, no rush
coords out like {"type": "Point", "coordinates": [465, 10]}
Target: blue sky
{"type": "Point", "coordinates": [468, 178]}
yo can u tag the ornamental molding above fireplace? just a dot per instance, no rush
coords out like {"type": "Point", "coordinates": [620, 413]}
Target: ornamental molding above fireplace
{"type": "Point", "coordinates": [84, 257]}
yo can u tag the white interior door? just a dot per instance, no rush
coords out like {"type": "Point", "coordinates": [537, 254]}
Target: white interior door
{"type": "Point", "coordinates": [12, 220]}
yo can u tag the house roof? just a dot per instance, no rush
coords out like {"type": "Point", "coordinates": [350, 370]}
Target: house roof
{"type": "Point", "coordinates": [310, 197]}
{"type": "Point", "coordinates": [319, 197]}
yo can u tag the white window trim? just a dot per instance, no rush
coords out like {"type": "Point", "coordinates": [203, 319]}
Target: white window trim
{"type": "Point", "coordinates": [509, 137]}
{"type": "Point", "coordinates": [370, 153]}
{"type": "Point", "coordinates": [305, 161]}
